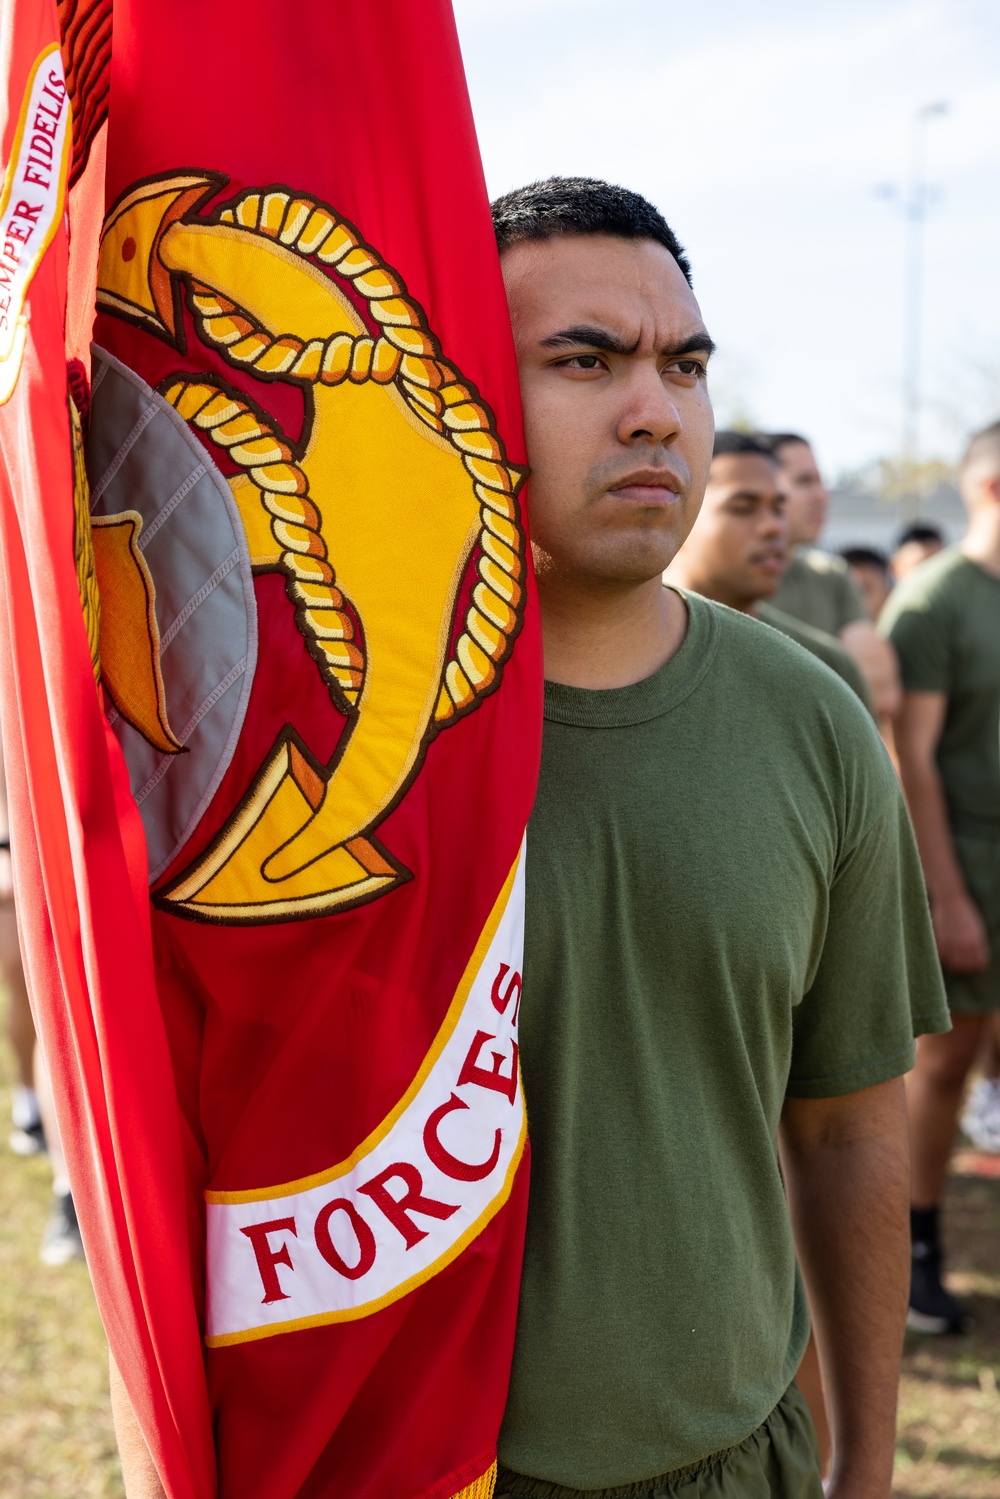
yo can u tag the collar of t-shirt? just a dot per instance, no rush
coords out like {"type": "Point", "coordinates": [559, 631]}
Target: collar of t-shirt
{"type": "Point", "coordinates": [617, 707]}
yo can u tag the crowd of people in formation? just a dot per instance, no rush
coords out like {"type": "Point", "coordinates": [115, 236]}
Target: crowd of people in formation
{"type": "Point", "coordinates": [727, 937]}
{"type": "Point", "coordinates": [916, 633]}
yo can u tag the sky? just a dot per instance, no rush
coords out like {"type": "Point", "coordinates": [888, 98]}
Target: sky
{"type": "Point", "coordinates": [767, 134]}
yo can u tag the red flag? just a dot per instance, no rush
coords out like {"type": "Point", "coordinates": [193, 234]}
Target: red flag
{"type": "Point", "coordinates": [305, 536]}
{"type": "Point", "coordinates": [77, 844]}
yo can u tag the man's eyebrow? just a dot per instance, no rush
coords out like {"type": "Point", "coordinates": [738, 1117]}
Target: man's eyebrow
{"type": "Point", "coordinates": [593, 337]}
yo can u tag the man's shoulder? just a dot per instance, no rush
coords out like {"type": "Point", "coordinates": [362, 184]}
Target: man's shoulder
{"type": "Point", "coordinates": [818, 588]}
{"type": "Point", "coordinates": [827, 565]}
{"type": "Point", "coordinates": [937, 585]}
{"type": "Point", "coordinates": [777, 661]}
{"type": "Point", "coordinates": [796, 708]}
{"type": "Point", "coordinates": [827, 648]}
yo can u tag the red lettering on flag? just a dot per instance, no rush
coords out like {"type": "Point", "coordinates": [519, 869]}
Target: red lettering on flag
{"type": "Point", "coordinates": [443, 1159]}
{"type": "Point", "coordinates": [397, 1209]}
{"type": "Point", "coordinates": [490, 1077]}
{"type": "Point", "coordinates": [268, 1258]}
{"type": "Point", "coordinates": [512, 991]}
{"type": "Point", "coordinates": [363, 1234]}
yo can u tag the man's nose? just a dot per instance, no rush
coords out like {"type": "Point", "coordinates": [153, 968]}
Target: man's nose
{"type": "Point", "coordinates": [649, 412]}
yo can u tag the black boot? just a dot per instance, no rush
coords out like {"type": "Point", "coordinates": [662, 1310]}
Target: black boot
{"type": "Point", "coordinates": [932, 1308]}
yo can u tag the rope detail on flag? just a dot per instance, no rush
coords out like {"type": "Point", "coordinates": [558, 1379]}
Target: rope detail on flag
{"type": "Point", "coordinates": [482, 1488]}
{"type": "Point", "coordinates": [256, 445]}
{"type": "Point", "coordinates": [406, 353]}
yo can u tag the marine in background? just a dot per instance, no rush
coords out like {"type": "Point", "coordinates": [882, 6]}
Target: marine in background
{"type": "Point", "coordinates": [944, 621]}
{"type": "Point", "coordinates": [916, 544]}
{"type": "Point", "coordinates": [738, 551]}
{"type": "Point", "coordinates": [871, 575]}
{"type": "Point", "coordinates": [817, 588]}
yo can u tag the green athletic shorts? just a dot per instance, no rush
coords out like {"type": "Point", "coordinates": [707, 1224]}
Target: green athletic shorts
{"type": "Point", "coordinates": [975, 993]}
{"type": "Point", "coordinates": [777, 1461]}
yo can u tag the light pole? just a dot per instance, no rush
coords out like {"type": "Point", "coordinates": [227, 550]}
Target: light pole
{"type": "Point", "coordinates": [915, 204]}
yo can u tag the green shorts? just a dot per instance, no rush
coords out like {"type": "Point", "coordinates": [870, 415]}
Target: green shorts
{"type": "Point", "coordinates": [777, 1461]}
{"type": "Point", "coordinates": [975, 993]}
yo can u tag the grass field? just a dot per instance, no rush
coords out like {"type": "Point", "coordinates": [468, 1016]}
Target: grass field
{"type": "Point", "coordinates": [55, 1426]}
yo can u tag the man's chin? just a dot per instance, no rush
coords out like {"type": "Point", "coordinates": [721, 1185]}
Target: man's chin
{"type": "Point", "coordinates": [630, 572]}
{"type": "Point", "coordinates": [613, 567]}
{"type": "Point", "coordinates": [767, 585]}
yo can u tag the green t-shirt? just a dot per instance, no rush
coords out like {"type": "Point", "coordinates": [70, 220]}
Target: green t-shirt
{"type": "Point", "coordinates": [724, 905]}
{"type": "Point", "coordinates": [944, 620]}
{"type": "Point", "coordinates": [819, 590]}
{"type": "Point", "coordinates": [826, 648]}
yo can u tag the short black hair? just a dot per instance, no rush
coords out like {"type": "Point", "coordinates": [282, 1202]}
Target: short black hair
{"type": "Point", "coordinates": [775, 441]}
{"type": "Point", "coordinates": [919, 531]}
{"type": "Point", "coordinates": [581, 205]}
{"type": "Point", "coordinates": [730, 441]}
{"type": "Point", "coordinates": [865, 557]}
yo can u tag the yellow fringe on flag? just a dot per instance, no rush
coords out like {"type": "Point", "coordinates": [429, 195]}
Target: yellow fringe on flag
{"type": "Point", "coordinates": [482, 1488]}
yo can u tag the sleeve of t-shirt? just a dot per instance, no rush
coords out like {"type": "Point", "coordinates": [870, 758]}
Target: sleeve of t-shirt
{"type": "Point", "coordinates": [921, 640]}
{"type": "Point", "coordinates": [878, 981]}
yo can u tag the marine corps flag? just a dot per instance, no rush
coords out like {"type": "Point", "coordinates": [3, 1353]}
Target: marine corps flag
{"type": "Point", "coordinates": [271, 866]}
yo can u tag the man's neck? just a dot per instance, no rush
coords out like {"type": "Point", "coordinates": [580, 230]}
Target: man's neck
{"type": "Point", "coordinates": [597, 637]}
{"type": "Point", "coordinates": [982, 540]}
{"type": "Point", "coordinates": [709, 588]}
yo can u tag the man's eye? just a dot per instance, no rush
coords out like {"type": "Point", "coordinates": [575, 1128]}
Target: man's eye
{"type": "Point", "coordinates": [689, 367]}
{"type": "Point", "coordinates": [585, 361]}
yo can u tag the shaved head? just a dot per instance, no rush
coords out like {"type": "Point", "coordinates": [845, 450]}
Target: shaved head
{"type": "Point", "coordinates": [979, 471]}
{"type": "Point", "coordinates": [983, 451]}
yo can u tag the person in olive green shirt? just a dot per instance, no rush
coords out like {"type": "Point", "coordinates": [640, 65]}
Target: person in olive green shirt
{"type": "Point", "coordinates": [817, 587]}
{"type": "Point", "coordinates": [737, 552]}
{"type": "Point", "coordinates": [944, 620]}
{"type": "Point", "coordinates": [727, 943]}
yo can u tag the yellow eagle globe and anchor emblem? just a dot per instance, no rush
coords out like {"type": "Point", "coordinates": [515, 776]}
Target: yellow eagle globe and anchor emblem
{"type": "Point", "coordinates": [399, 480]}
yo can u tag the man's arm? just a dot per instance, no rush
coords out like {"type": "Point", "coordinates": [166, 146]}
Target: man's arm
{"type": "Point", "coordinates": [138, 1472]}
{"type": "Point", "coordinates": [847, 1174]}
{"type": "Point", "coordinates": [879, 666]}
{"type": "Point", "coordinates": [958, 926]}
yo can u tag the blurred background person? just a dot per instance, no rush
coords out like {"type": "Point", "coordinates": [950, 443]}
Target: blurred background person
{"type": "Point", "coordinates": [944, 620]}
{"type": "Point", "coordinates": [817, 588]}
{"type": "Point", "coordinates": [981, 1115]}
{"type": "Point", "coordinates": [738, 551]}
{"type": "Point", "coordinates": [34, 1127]}
{"type": "Point", "coordinates": [27, 1136]}
{"type": "Point", "coordinates": [914, 545]}
{"type": "Point", "coordinates": [869, 570]}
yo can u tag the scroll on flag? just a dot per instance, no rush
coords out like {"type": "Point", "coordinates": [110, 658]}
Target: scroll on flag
{"type": "Point", "coordinates": [271, 716]}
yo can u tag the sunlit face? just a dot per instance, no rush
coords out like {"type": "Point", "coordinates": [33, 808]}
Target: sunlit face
{"type": "Point", "coordinates": [808, 500]}
{"type": "Point", "coordinates": [738, 548]}
{"type": "Point", "coordinates": [911, 554]}
{"type": "Point", "coordinates": [612, 354]}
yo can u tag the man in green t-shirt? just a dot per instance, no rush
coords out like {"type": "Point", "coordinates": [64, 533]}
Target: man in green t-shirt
{"type": "Point", "coordinates": [727, 941]}
{"type": "Point", "coordinates": [817, 587]}
{"type": "Point", "coordinates": [944, 621]}
{"type": "Point", "coordinates": [737, 552]}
